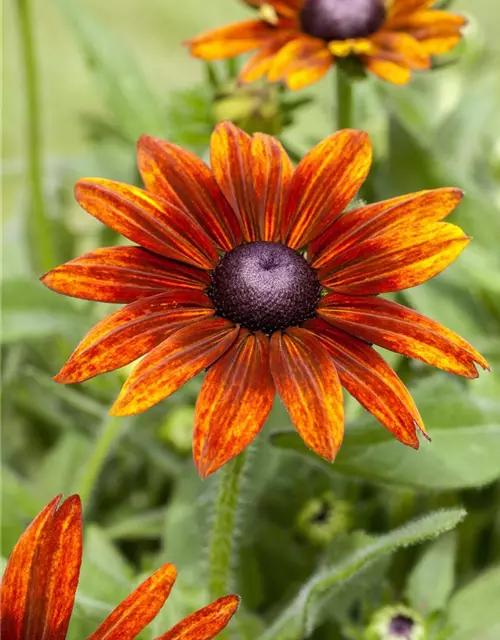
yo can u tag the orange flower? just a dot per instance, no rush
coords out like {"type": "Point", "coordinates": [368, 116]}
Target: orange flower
{"type": "Point", "coordinates": [219, 282]}
{"type": "Point", "coordinates": [299, 40]}
{"type": "Point", "coordinates": [41, 577]}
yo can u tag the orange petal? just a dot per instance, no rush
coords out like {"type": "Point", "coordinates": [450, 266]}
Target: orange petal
{"type": "Point", "coordinates": [231, 40]}
{"type": "Point", "coordinates": [369, 379]}
{"type": "Point", "coordinates": [185, 181]}
{"type": "Point", "coordinates": [139, 608]}
{"type": "Point", "coordinates": [148, 220]}
{"type": "Point", "coordinates": [396, 261]}
{"type": "Point", "coordinates": [397, 328]}
{"type": "Point", "coordinates": [272, 172]}
{"type": "Point", "coordinates": [234, 402]}
{"type": "Point", "coordinates": [339, 244]}
{"type": "Point", "coordinates": [301, 62]}
{"type": "Point", "coordinates": [174, 362]}
{"type": "Point", "coordinates": [131, 332]}
{"type": "Point", "coordinates": [399, 8]}
{"type": "Point", "coordinates": [324, 183]}
{"type": "Point", "coordinates": [385, 69]}
{"type": "Point", "coordinates": [122, 275]}
{"type": "Point", "coordinates": [232, 162]}
{"type": "Point", "coordinates": [434, 19]}
{"type": "Point", "coordinates": [206, 623]}
{"type": "Point", "coordinates": [260, 63]}
{"type": "Point", "coordinates": [308, 384]}
{"type": "Point", "coordinates": [402, 48]}
{"type": "Point", "coordinates": [41, 576]}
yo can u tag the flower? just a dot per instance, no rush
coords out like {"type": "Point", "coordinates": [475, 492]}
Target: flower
{"type": "Point", "coordinates": [299, 40]}
{"type": "Point", "coordinates": [220, 282]}
{"type": "Point", "coordinates": [40, 580]}
{"type": "Point", "coordinates": [396, 623]}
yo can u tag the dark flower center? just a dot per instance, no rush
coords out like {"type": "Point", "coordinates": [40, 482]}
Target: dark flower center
{"type": "Point", "coordinates": [264, 286]}
{"type": "Point", "coordinates": [342, 19]}
{"type": "Point", "coordinates": [401, 626]}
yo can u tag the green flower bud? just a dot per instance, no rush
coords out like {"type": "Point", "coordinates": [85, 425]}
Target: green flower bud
{"type": "Point", "coordinates": [396, 623]}
{"type": "Point", "coordinates": [322, 519]}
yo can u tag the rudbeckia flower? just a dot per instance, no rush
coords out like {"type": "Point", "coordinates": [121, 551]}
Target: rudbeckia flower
{"type": "Point", "coordinates": [297, 41]}
{"type": "Point", "coordinates": [220, 282]}
{"type": "Point", "coordinates": [40, 580]}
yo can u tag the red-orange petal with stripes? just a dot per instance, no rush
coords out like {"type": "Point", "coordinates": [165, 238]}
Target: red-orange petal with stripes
{"type": "Point", "coordinates": [147, 220]}
{"type": "Point", "coordinates": [405, 7]}
{"type": "Point", "coordinates": [232, 163]}
{"type": "Point", "coordinates": [339, 245]}
{"type": "Point", "coordinates": [405, 48]}
{"type": "Point", "coordinates": [132, 331]}
{"type": "Point", "coordinates": [175, 361]}
{"type": "Point", "coordinates": [272, 172]}
{"type": "Point", "coordinates": [41, 577]}
{"type": "Point", "coordinates": [184, 180]}
{"type": "Point", "coordinates": [400, 329]}
{"type": "Point", "coordinates": [260, 63]}
{"type": "Point", "coordinates": [392, 262]}
{"type": "Point", "coordinates": [369, 379]}
{"type": "Point", "coordinates": [342, 162]}
{"type": "Point", "coordinates": [234, 402]}
{"type": "Point", "coordinates": [205, 623]}
{"type": "Point", "coordinates": [139, 608]}
{"type": "Point", "coordinates": [300, 62]}
{"type": "Point", "coordinates": [421, 19]}
{"type": "Point", "coordinates": [308, 384]}
{"type": "Point", "coordinates": [387, 69]}
{"type": "Point", "coordinates": [231, 40]}
{"type": "Point", "coordinates": [122, 275]}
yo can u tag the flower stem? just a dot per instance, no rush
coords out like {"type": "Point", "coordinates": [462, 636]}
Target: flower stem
{"type": "Point", "coordinates": [38, 223]}
{"type": "Point", "coordinates": [223, 538]}
{"type": "Point", "coordinates": [111, 430]}
{"type": "Point", "coordinates": [344, 116]}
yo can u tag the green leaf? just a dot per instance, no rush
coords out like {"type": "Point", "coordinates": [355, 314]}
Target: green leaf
{"type": "Point", "coordinates": [124, 89]}
{"type": "Point", "coordinates": [474, 611]}
{"type": "Point", "coordinates": [432, 580]}
{"type": "Point", "coordinates": [464, 451]}
{"type": "Point", "coordinates": [308, 609]}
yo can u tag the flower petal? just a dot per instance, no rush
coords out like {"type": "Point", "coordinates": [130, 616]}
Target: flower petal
{"type": "Point", "coordinates": [40, 580]}
{"type": "Point", "coordinates": [174, 362]}
{"type": "Point", "coordinates": [433, 18]}
{"type": "Point", "coordinates": [323, 184]}
{"type": "Point", "coordinates": [401, 48]}
{"type": "Point", "coordinates": [392, 262]}
{"type": "Point", "coordinates": [184, 180]}
{"type": "Point", "coordinates": [138, 609]}
{"type": "Point", "coordinates": [369, 379]}
{"type": "Point", "coordinates": [308, 384]}
{"type": "Point", "coordinates": [397, 328]}
{"type": "Point", "coordinates": [231, 40]}
{"type": "Point", "coordinates": [232, 162]}
{"type": "Point", "coordinates": [272, 172]}
{"type": "Point", "coordinates": [260, 63]}
{"type": "Point", "coordinates": [405, 7]}
{"type": "Point", "coordinates": [301, 62]}
{"type": "Point", "coordinates": [205, 623]}
{"type": "Point", "coordinates": [122, 275]}
{"type": "Point", "coordinates": [148, 220]}
{"type": "Point", "coordinates": [131, 332]}
{"type": "Point", "coordinates": [339, 244]}
{"type": "Point", "coordinates": [234, 402]}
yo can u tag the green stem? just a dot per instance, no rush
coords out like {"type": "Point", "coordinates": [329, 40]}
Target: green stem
{"type": "Point", "coordinates": [344, 100]}
{"type": "Point", "coordinates": [38, 222]}
{"type": "Point", "coordinates": [223, 538]}
{"type": "Point", "coordinates": [111, 430]}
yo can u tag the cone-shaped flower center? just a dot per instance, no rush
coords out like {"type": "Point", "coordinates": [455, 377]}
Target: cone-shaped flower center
{"type": "Point", "coordinates": [264, 286]}
{"type": "Point", "coordinates": [401, 626]}
{"type": "Point", "coordinates": [342, 19]}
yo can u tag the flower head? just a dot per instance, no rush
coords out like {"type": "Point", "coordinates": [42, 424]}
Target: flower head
{"type": "Point", "coordinates": [40, 580]}
{"type": "Point", "coordinates": [220, 282]}
{"type": "Point", "coordinates": [396, 623]}
{"type": "Point", "coordinates": [297, 41]}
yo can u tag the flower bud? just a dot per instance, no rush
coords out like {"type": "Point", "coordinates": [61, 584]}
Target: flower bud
{"type": "Point", "coordinates": [396, 623]}
{"type": "Point", "coordinates": [324, 518]}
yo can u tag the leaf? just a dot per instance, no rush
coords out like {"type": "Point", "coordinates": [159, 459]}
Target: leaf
{"type": "Point", "coordinates": [306, 612]}
{"type": "Point", "coordinates": [464, 451]}
{"type": "Point", "coordinates": [124, 89]}
{"type": "Point", "coordinates": [432, 580]}
{"type": "Point", "coordinates": [474, 611]}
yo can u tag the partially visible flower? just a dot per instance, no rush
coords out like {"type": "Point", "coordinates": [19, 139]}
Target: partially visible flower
{"type": "Point", "coordinates": [221, 282]}
{"type": "Point", "coordinates": [41, 577]}
{"type": "Point", "coordinates": [299, 40]}
{"type": "Point", "coordinates": [322, 519]}
{"type": "Point", "coordinates": [396, 623]}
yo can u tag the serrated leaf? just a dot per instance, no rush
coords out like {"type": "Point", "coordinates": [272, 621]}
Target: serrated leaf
{"type": "Point", "coordinates": [307, 610]}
